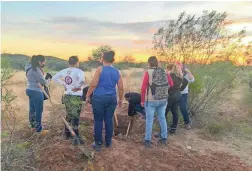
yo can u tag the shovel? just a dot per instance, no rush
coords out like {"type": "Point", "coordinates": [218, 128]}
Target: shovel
{"type": "Point", "coordinates": [117, 131]}
{"type": "Point", "coordinates": [86, 152]}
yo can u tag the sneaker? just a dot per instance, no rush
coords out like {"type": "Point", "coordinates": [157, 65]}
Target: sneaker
{"type": "Point", "coordinates": [96, 147]}
{"type": "Point", "coordinates": [157, 135]}
{"type": "Point", "coordinates": [188, 126]}
{"type": "Point", "coordinates": [162, 142]}
{"type": "Point", "coordinates": [147, 143]}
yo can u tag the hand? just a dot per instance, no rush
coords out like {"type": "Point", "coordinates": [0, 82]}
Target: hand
{"type": "Point", "coordinates": [120, 104]}
{"type": "Point", "coordinates": [76, 89]}
{"type": "Point", "coordinates": [142, 104]}
{"type": "Point", "coordinates": [88, 100]}
{"type": "Point", "coordinates": [187, 70]}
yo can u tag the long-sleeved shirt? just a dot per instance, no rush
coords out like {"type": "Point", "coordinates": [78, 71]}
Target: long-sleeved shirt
{"type": "Point", "coordinates": [134, 99]}
{"type": "Point", "coordinates": [177, 82]}
{"type": "Point", "coordinates": [70, 78]}
{"type": "Point", "coordinates": [145, 84]}
{"type": "Point", "coordinates": [34, 77]}
{"type": "Point", "coordinates": [185, 91]}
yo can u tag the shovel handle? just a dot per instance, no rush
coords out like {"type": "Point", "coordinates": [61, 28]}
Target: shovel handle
{"type": "Point", "coordinates": [116, 119]}
{"type": "Point", "coordinates": [64, 120]}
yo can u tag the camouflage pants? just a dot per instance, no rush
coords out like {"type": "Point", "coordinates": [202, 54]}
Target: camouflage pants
{"type": "Point", "coordinates": [73, 108]}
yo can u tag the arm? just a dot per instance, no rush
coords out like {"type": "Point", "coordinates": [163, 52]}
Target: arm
{"type": "Point", "coordinates": [81, 81]}
{"type": "Point", "coordinates": [39, 77]}
{"type": "Point", "coordinates": [94, 83]}
{"type": "Point", "coordinates": [190, 76]}
{"type": "Point", "coordinates": [144, 87]}
{"type": "Point", "coordinates": [120, 89]}
{"type": "Point", "coordinates": [57, 78]}
{"type": "Point", "coordinates": [131, 108]}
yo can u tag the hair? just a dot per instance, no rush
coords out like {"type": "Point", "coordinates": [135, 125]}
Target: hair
{"type": "Point", "coordinates": [127, 95]}
{"type": "Point", "coordinates": [169, 67]}
{"type": "Point", "coordinates": [176, 69]}
{"type": "Point", "coordinates": [36, 59]}
{"type": "Point", "coordinates": [73, 60]}
{"type": "Point", "coordinates": [109, 56]}
{"type": "Point", "coordinates": [153, 62]}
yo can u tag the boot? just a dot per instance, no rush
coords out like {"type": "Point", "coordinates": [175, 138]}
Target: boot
{"type": "Point", "coordinates": [75, 141]}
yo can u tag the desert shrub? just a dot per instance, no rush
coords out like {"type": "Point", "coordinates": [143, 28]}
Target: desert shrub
{"type": "Point", "coordinates": [216, 128]}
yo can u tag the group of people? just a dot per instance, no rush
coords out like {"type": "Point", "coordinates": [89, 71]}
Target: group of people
{"type": "Point", "coordinates": [162, 91]}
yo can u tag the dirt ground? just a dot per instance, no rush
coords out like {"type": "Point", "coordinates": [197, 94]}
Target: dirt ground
{"type": "Point", "coordinates": [184, 152]}
{"type": "Point", "coordinates": [128, 154]}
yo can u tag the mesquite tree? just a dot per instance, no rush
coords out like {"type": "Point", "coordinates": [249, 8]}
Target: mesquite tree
{"type": "Point", "coordinates": [201, 42]}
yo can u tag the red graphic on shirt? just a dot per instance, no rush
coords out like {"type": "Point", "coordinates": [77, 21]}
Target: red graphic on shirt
{"type": "Point", "coordinates": [68, 80]}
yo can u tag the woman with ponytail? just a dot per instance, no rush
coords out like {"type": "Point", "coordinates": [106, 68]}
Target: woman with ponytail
{"type": "Point", "coordinates": [35, 79]}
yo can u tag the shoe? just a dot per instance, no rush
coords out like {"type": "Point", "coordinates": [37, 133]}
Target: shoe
{"type": "Point", "coordinates": [157, 135]}
{"type": "Point", "coordinates": [96, 147]}
{"type": "Point", "coordinates": [147, 144]}
{"type": "Point", "coordinates": [108, 145]}
{"type": "Point", "coordinates": [66, 136]}
{"type": "Point", "coordinates": [172, 131]}
{"type": "Point", "coordinates": [188, 126]}
{"type": "Point", "coordinates": [162, 142]}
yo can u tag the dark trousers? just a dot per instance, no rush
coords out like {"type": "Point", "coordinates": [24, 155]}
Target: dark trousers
{"type": "Point", "coordinates": [73, 108]}
{"type": "Point", "coordinates": [103, 109]}
{"type": "Point", "coordinates": [140, 109]}
{"type": "Point", "coordinates": [173, 103]}
{"type": "Point", "coordinates": [184, 109]}
{"type": "Point", "coordinates": [36, 103]}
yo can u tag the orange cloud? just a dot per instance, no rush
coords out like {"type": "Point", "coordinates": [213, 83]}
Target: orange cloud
{"type": "Point", "coordinates": [95, 44]}
{"type": "Point", "coordinates": [141, 42]}
{"type": "Point", "coordinates": [152, 30]}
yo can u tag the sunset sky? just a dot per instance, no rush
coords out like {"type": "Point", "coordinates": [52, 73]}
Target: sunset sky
{"type": "Point", "coordinates": [63, 29]}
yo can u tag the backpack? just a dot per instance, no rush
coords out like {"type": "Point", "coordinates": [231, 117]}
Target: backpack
{"type": "Point", "coordinates": [158, 84]}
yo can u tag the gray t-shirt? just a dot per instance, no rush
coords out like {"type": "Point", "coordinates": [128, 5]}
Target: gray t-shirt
{"type": "Point", "coordinates": [34, 77]}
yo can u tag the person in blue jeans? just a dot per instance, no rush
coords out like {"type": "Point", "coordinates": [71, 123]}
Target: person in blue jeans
{"type": "Point", "coordinates": [35, 79]}
{"type": "Point", "coordinates": [104, 99]}
{"type": "Point", "coordinates": [184, 96]}
{"type": "Point", "coordinates": [153, 105]}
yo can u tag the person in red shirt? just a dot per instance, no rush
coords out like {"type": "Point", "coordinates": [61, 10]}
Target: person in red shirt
{"type": "Point", "coordinates": [152, 104]}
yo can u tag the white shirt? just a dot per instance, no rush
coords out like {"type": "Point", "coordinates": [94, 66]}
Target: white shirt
{"type": "Point", "coordinates": [185, 91]}
{"type": "Point", "coordinates": [70, 78]}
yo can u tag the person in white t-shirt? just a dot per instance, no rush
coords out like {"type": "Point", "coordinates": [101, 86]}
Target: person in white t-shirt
{"type": "Point", "coordinates": [72, 78]}
{"type": "Point", "coordinates": [184, 96]}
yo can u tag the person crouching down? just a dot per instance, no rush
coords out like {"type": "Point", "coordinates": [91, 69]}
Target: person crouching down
{"type": "Point", "coordinates": [134, 108]}
{"type": "Point", "coordinates": [73, 81]}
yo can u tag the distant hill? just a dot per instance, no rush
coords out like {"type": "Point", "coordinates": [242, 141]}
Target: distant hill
{"type": "Point", "coordinates": [18, 61]}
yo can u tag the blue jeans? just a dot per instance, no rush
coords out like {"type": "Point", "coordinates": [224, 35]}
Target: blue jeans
{"type": "Point", "coordinates": [151, 108]}
{"type": "Point", "coordinates": [140, 109]}
{"type": "Point", "coordinates": [103, 109]}
{"type": "Point", "coordinates": [36, 103]}
{"type": "Point", "coordinates": [183, 108]}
